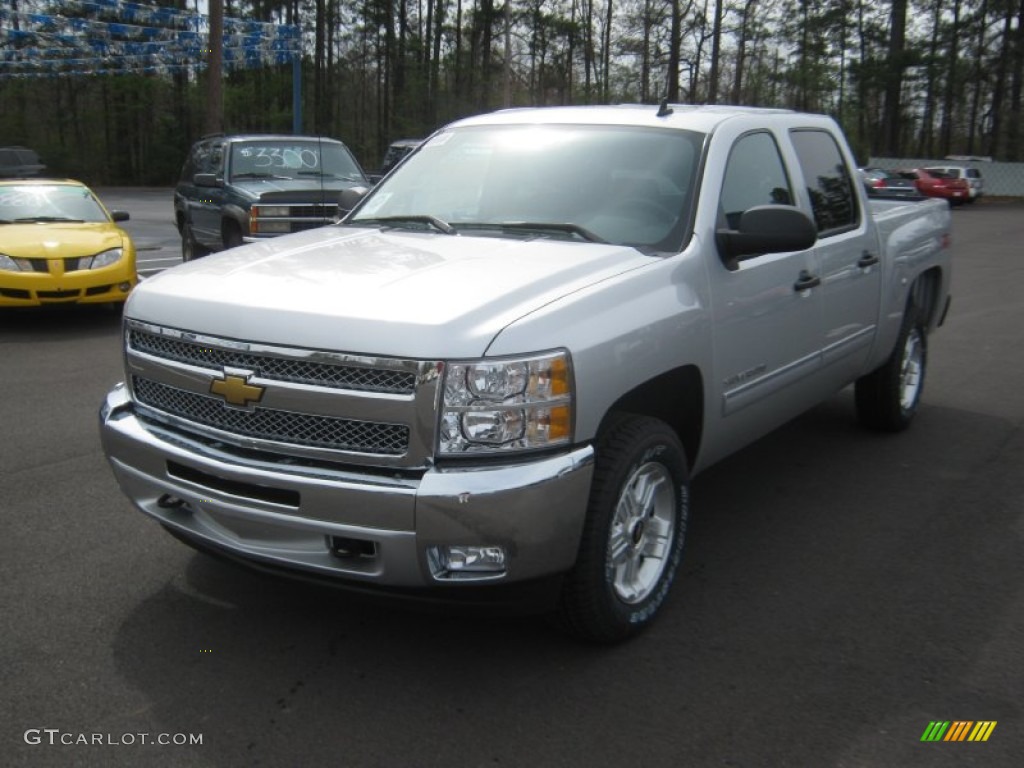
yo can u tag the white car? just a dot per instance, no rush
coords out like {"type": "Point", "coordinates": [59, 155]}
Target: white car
{"type": "Point", "coordinates": [972, 175]}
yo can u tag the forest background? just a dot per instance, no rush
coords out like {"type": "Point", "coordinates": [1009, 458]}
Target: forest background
{"type": "Point", "coordinates": [905, 78]}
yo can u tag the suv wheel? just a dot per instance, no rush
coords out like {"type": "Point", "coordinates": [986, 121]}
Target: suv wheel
{"type": "Point", "coordinates": [190, 249]}
{"type": "Point", "coordinates": [232, 235]}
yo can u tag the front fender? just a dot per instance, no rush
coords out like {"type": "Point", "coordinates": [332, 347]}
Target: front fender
{"type": "Point", "coordinates": [239, 215]}
{"type": "Point", "coordinates": [622, 332]}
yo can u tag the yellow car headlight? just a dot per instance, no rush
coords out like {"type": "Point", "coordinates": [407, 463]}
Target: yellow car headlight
{"type": "Point", "coordinates": [105, 259]}
{"type": "Point", "coordinates": [8, 264]}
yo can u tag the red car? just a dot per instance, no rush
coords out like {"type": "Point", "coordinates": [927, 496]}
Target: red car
{"type": "Point", "coordinates": [937, 184]}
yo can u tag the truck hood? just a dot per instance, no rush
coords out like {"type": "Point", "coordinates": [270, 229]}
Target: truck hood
{"type": "Point", "coordinates": [401, 294]}
{"type": "Point", "coordinates": [311, 189]}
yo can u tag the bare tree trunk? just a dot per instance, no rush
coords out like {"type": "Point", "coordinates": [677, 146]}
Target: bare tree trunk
{"type": "Point", "coordinates": [999, 91]}
{"type": "Point", "coordinates": [926, 142]}
{"type": "Point", "coordinates": [672, 87]}
{"type": "Point", "coordinates": [1013, 148]}
{"type": "Point", "coordinates": [979, 75]}
{"type": "Point", "coordinates": [946, 134]}
{"type": "Point", "coordinates": [645, 55]}
{"type": "Point", "coordinates": [588, 48]}
{"type": "Point", "coordinates": [214, 84]}
{"type": "Point", "coordinates": [435, 64]}
{"type": "Point", "coordinates": [741, 52]}
{"type": "Point", "coordinates": [716, 46]}
{"type": "Point", "coordinates": [894, 83]}
{"type": "Point", "coordinates": [606, 93]}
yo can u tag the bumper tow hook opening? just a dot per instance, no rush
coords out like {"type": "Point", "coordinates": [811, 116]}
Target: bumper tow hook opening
{"type": "Point", "coordinates": [170, 502]}
{"type": "Point", "coordinates": [344, 547]}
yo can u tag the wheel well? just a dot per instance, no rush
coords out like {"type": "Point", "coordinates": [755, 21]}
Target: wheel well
{"type": "Point", "coordinates": [924, 293]}
{"type": "Point", "coordinates": [675, 397]}
{"type": "Point", "coordinates": [228, 225]}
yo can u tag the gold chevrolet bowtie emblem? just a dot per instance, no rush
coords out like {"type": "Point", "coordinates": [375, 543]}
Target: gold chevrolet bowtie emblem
{"type": "Point", "coordinates": [236, 390]}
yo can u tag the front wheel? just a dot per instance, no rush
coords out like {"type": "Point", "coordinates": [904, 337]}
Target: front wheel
{"type": "Point", "coordinates": [633, 535]}
{"type": "Point", "coordinates": [888, 398]}
{"type": "Point", "coordinates": [232, 235]}
{"type": "Point", "coordinates": [190, 247]}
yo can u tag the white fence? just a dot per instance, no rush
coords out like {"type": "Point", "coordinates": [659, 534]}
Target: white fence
{"type": "Point", "coordinates": [1000, 178]}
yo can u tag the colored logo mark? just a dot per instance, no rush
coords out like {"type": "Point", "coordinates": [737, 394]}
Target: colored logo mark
{"type": "Point", "coordinates": [958, 730]}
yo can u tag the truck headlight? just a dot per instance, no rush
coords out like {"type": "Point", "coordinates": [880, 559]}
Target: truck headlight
{"type": "Point", "coordinates": [270, 211]}
{"type": "Point", "coordinates": [497, 406]}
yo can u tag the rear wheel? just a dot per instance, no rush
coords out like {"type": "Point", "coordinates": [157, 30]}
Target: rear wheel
{"type": "Point", "coordinates": [634, 532]}
{"type": "Point", "coordinates": [888, 398]}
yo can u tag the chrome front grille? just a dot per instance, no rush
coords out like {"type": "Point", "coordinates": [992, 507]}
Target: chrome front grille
{"type": "Point", "coordinates": [329, 375]}
{"type": "Point", "coordinates": [291, 401]}
{"type": "Point", "coordinates": [276, 426]}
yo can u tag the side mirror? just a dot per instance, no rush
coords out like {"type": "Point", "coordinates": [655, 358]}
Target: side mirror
{"type": "Point", "coordinates": [207, 180]}
{"type": "Point", "coordinates": [119, 215]}
{"type": "Point", "coordinates": [766, 229]}
{"type": "Point", "coordinates": [349, 199]}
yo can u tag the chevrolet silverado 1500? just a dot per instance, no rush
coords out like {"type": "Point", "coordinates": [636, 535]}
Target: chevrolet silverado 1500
{"type": "Point", "coordinates": [506, 363]}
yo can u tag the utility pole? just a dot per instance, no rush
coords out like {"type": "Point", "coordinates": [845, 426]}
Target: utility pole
{"type": "Point", "coordinates": [215, 70]}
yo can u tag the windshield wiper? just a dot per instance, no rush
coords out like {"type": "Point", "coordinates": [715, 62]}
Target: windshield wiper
{"type": "Point", "coordinates": [396, 221]}
{"type": "Point", "coordinates": [540, 227]}
{"type": "Point", "coordinates": [47, 219]}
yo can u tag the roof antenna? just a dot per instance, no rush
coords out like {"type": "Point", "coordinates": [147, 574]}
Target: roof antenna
{"type": "Point", "coordinates": [665, 110]}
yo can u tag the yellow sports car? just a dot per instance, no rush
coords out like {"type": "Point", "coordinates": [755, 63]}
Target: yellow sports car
{"type": "Point", "coordinates": [59, 244]}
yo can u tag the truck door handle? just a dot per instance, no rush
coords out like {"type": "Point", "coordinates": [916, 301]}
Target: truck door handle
{"type": "Point", "coordinates": [867, 260]}
{"type": "Point", "coordinates": [806, 281]}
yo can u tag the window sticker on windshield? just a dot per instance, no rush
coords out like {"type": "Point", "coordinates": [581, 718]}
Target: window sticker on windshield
{"type": "Point", "coordinates": [377, 202]}
{"type": "Point", "coordinates": [292, 158]}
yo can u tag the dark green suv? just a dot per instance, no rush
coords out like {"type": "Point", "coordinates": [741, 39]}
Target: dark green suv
{"type": "Point", "coordinates": [236, 189]}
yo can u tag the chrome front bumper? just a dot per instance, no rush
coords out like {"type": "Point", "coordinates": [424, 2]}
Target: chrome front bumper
{"type": "Point", "coordinates": [291, 515]}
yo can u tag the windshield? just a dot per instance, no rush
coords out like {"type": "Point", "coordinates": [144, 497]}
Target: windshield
{"type": "Point", "coordinates": [49, 202]}
{"type": "Point", "coordinates": [616, 184]}
{"type": "Point", "coordinates": [292, 160]}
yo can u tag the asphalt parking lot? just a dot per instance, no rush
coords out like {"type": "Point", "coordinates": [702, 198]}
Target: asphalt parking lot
{"type": "Point", "coordinates": [841, 591]}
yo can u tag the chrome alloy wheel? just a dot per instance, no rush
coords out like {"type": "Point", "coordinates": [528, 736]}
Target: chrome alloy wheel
{"type": "Point", "coordinates": [641, 534]}
{"type": "Point", "coordinates": [911, 370]}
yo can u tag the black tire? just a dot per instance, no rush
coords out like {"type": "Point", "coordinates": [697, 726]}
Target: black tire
{"type": "Point", "coordinates": [190, 248]}
{"type": "Point", "coordinates": [888, 398]}
{"type": "Point", "coordinates": [629, 553]}
{"type": "Point", "coordinates": [232, 235]}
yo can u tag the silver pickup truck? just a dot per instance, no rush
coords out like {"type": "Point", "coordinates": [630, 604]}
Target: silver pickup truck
{"type": "Point", "coordinates": [504, 366]}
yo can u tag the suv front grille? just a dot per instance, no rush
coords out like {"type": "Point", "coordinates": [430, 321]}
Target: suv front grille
{"type": "Point", "coordinates": [274, 425]}
{"type": "Point", "coordinates": [331, 375]}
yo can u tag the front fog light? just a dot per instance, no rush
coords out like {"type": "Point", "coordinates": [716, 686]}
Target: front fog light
{"type": "Point", "coordinates": [456, 561]}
